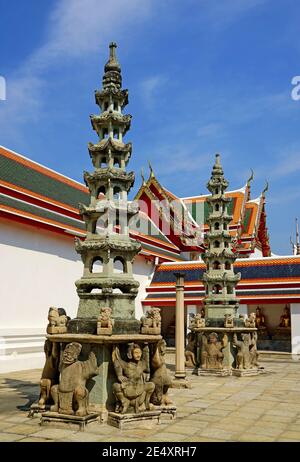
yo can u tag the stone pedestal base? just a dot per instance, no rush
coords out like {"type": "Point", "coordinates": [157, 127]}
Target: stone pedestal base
{"type": "Point", "coordinates": [180, 383]}
{"type": "Point", "coordinates": [104, 330]}
{"type": "Point", "coordinates": [147, 419]}
{"type": "Point", "coordinates": [101, 397]}
{"type": "Point", "coordinates": [213, 372]}
{"type": "Point", "coordinates": [35, 409]}
{"type": "Point", "coordinates": [64, 420]}
{"type": "Point", "coordinates": [246, 372]}
{"type": "Point", "coordinates": [168, 411]}
{"type": "Point", "coordinates": [56, 330]}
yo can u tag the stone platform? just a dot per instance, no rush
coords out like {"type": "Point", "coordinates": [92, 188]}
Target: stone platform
{"type": "Point", "coordinates": [168, 411]}
{"type": "Point", "coordinates": [247, 372]}
{"type": "Point", "coordinates": [213, 372]}
{"type": "Point", "coordinates": [65, 421]}
{"type": "Point", "coordinates": [147, 419]}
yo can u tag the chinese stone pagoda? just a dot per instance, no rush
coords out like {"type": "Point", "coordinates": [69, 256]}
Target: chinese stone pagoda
{"type": "Point", "coordinates": [108, 251]}
{"type": "Point", "coordinates": [226, 344]}
{"type": "Point", "coordinates": [219, 278]}
{"type": "Point", "coordinates": [105, 364]}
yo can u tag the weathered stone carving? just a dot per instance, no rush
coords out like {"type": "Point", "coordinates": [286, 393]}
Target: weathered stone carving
{"type": "Point", "coordinates": [190, 351]}
{"type": "Point", "coordinates": [228, 320]}
{"type": "Point", "coordinates": [58, 320]}
{"type": "Point", "coordinates": [197, 321]}
{"type": "Point", "coordinates": [50, 374]}
{"type": "Point", "coordinates": [251, 320]}
{"type": "Point", "coordinates": [70, 396]}
{"type": "Point", "coordinates": [247, 356]}
{"type": "Point", "coordinates": [105, 322]}
{"type": "Point", "coordinates": [160, 376]}
{"type": "Point", "coordinates": [131, 388]}
{"type": "Point", "coordinates": [151, 323]}
{"type": "Point", "coordinates": [211, 351]}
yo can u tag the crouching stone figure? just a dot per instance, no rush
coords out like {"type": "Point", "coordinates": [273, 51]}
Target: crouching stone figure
{"type": "Point", "coordinates": [70, 396]}
{"type": "Point", "coordinates": [132, 389]}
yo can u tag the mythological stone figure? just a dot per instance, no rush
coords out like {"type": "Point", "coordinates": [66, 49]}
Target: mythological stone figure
{"type": "Point", "coordinates": [151, 323]}
{"type": "Point", "coordinates": [247, 355]}
{"type": "Point", "coordinates": [105, 322]}
{"type": "Point", "coordinates": [197, 321]}
{"type": "Point", "coordinates": [50, 374]}
{"type": "Point", "coordinates": [58, 320]}
{"type": "Point", "coordinates": [285, 319]}
{"type": "Point", "coordinates": [228, 320]}
{"type": "Point", "coordinates": [190, 351]}
{"type": "Point", "coordinates": [211, 351]}
{"type": "Point", "coordinates": [70, 396]}
{"type": "Point", "coordinates": [132, 388]}
{"type": "Point", "coordinates": [251, 320]}
{"type": "Point", "coordinates": [160, 375]}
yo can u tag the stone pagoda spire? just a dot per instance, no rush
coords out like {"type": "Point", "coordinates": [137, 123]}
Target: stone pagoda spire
{"type": "Point", "coordinates": [108, 251]}
{"type": "Point", "coordinates": [219, 278]}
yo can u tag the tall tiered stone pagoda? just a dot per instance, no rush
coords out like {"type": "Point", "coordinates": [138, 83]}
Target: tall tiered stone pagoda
{"type": "Point", "coordinates": [108, 251]}
{"type": "Point", "coordinates": [225, 343]}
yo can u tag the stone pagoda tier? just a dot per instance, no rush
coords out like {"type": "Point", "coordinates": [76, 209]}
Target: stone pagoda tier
{"type": "Point", "coordinates": [223, 343]}
{"type": "Point", "coordinates": [105, 364]}
{"type": "Point", "coordinates": [108, 251]}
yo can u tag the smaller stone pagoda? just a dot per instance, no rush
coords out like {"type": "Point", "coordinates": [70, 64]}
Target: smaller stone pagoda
{"type": "Point", "coordinates": [225, 344]}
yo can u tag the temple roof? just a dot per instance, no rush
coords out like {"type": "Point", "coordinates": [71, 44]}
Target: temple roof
{"type": "Point", "coordinates": [263, 280]}
{"type": "Point", "coordinates": [36, 195]}
{"type": "Point", "coordinates": [246, 213]}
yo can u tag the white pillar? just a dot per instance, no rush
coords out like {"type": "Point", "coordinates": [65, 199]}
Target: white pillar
{"type": "Point", "coordinates": [179, 328]}
{"type": "Point", "coordinates": [295, 328]}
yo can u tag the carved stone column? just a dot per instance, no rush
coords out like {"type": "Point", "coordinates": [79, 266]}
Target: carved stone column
{"type": "Point", "coordinates": [180, 374]}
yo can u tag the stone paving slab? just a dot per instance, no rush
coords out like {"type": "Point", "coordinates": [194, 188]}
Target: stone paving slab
{"type": "Point", "coordinates": [262, 408]}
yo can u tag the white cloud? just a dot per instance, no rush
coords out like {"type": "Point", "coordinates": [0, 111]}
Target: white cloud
{"type": "Point", "coordinates": [150, 87]}
{"type": "Point", "coordinates": [209, 129]}
{"type": "Point", "coordinates": [289, 163]}
{"type": "Point", "coordinates": [75, 28]}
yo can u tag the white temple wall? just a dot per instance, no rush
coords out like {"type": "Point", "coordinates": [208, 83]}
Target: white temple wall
{"type": "Point", "coordinates": [38, 270]}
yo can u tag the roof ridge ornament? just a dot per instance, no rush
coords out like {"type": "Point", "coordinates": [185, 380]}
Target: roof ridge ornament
{"type": "Point", "coordinates": [143, 177]}
{"type": "Point", "coordinates": [266, 188]}
{"type": "Point", "coordinates": [251, 177]}
{"type": "Point", "coordinates": [152, 175]}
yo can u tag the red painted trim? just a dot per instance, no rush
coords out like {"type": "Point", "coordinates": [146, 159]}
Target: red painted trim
{"type": "Point", "coordinates": [45, 202]}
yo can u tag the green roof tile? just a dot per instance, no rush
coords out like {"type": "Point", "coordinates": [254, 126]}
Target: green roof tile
{"type": "Point", "coordinates": [25, 177]}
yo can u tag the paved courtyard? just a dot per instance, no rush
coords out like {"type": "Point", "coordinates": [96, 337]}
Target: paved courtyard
{"type": "Point", "coordinates": [263, 408]}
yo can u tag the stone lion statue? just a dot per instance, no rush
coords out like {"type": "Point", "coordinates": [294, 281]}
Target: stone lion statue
{"type": "Point", "coordinates": [250, 322]}
{"type": "Point", "coordinates": [105, 322]}
{"type": "Point", "coordinates": [151, 322]}
{"type": "Point", "coordinates": [58, 320]}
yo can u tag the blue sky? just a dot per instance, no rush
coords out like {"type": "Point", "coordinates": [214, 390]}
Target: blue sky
{"type": "Point", "coordinates": [203, 77]}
